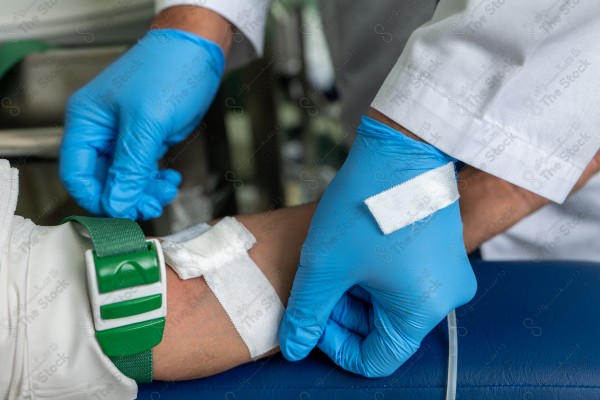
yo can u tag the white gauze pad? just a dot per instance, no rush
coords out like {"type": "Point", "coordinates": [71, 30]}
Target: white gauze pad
{"type": "Point", "coordinates": [220, 254]}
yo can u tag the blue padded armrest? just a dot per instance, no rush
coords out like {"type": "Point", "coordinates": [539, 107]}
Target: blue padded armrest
{"type": "Point", "coordinates": [531, 332]}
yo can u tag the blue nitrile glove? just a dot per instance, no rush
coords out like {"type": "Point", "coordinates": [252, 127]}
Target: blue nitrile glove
{"type": "Point", "coordinates": [121, 123]}
{"type": "Point", "coordinates": [413, 276]}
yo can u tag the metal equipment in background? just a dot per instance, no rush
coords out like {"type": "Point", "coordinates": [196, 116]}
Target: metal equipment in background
{"type": "Point", "coordinates": [272, 137]}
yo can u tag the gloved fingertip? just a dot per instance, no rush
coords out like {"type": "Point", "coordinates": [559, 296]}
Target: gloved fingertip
{"type": "Point", "coordinates": [150, 208]}
{"type": "Point", "coordinates": [115, 209]}
{"type": "Point", "coordinates": [295, 341]}
{"type": "Point", "coordinates": [172, 176]}
{"type": "Point", "coordinates": [80, 180]}
{"type": "Point", "coordinates": [166, 193]}
{"type": "Point", "coordinates": [86, 194]}
{"type": "Point", "coordinates": [91, 204]}
{"type": "Point", "coordinates": [163, 186]}
{"type": "Point", "coordinates": [333, 342]}
{"type": "Point", "coordinates": [163, 191]}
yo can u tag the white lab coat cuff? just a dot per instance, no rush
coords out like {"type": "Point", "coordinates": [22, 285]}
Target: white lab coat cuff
{"type": "Point", "coordinates": [508, 88]}
{"type": "Point", "coordinates": [429, 114]}
{"type": "Point", "coordinates": [249, 19]}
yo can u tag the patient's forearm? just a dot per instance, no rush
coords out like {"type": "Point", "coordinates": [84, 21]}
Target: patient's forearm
{"type": "Point", "coordinates": [200, 340]}
{"type": "Point", "coordinates": [490, 205]}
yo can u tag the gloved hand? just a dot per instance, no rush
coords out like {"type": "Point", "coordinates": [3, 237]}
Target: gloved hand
{"type": "Point", "coordinates": [121, 123]}
{"type": "Point", "coordinates": [413, 276]}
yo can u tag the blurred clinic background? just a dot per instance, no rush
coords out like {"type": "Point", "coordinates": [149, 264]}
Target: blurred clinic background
{"type": "Point", "coordinates": [277, 131]}
{"type": "Point", "coordinates": [274, 137]}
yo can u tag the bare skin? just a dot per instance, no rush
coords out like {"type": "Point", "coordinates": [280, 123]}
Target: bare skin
{"type": "Point", "coordinates": [199, 339]}
{"type": "Point", "coordinates": [201, 21]}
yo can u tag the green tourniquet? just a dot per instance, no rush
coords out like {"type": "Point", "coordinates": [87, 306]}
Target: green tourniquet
{"type": "Point", "coordinates": [131, 307]}
{"type": "Point", "coordinates": [112, 236]}
{"type": "Point", "coordinates": [137, 367]}
{"type": "Point", "coordinates": [131, 339]}
{"type": "Point", "coordinates": [123, 271]}
{"type": "Point", "coordinates": [13, 52]}
{"type": "Point", "coordinates": [124, 259]}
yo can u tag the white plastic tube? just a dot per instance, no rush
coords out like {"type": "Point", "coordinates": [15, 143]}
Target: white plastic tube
{"type": "Point", "coordinates": [452, 356]}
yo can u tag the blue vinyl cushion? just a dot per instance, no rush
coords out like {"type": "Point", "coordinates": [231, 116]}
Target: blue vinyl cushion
{"type": "Point", "coordinates": [531, 332]}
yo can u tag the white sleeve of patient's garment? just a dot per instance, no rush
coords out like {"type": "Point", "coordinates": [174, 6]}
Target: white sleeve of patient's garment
{"type": "Point", "coordinates": [510, 87]}
{"type": "Point", "coordinates": [248, 17]}
{"type": "Point", "coordinates": [48, 349]}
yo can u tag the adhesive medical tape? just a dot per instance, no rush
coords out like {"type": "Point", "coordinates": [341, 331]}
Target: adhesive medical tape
{"type": "Point", "coordinates": [414, 199]}
{"type": "Point", "coordinates": [220, 255]}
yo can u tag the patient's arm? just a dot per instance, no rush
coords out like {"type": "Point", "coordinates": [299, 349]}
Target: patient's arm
{"type": "Point", "coordinates": [490, 205]}
{"type": "Point", "coordinates": [200, 340]}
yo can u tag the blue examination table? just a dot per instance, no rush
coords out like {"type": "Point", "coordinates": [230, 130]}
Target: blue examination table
{"type": "Point", "coordinates": [531, 332]}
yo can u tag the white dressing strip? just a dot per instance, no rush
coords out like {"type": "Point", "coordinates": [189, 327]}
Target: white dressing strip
{"type": "Point", "coordinates": [414, 199]}
{"type": "Point", "coordinates": [197, 254]}
{"type": "Point", "coordinates": [187, 234]}
{"type": "Point", "coordinates": [220, 254]}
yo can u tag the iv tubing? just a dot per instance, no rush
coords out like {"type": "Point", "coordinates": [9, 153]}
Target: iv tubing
{"type": "Point", "coordinates": [452, 356]}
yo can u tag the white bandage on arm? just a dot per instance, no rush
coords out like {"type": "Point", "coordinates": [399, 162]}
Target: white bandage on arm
{"type": "Point", "coordinates": [220, 255]}
{"type": "Point", "coordinates": [414, 199]}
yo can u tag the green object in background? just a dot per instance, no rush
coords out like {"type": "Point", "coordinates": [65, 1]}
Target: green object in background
{"type": "Point", "coordinates": [13, 52]}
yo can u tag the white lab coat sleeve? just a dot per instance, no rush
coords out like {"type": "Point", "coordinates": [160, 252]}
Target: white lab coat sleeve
{"type": "Point", "coordinates": [248, 17]}
{"type": "Point", "coordinates": [508, 86]}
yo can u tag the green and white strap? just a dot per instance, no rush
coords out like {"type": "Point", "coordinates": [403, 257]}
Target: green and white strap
{"type": "Point", "coordinates": [127, 287]}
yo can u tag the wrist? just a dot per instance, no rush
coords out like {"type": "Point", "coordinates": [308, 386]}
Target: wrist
{"type": "Point", "coordinates": [409, 152]}
{"type": "Point", "coordinates": [490, 205]}
{"type": "Point", "coordinates": [376, 115]}
{"type": "Point", "coordinates": [199, 21]}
